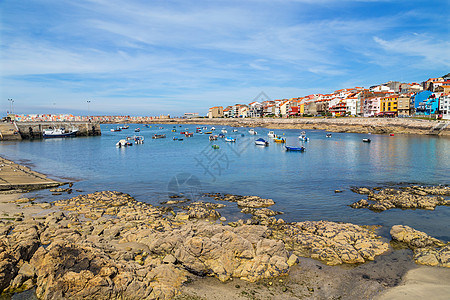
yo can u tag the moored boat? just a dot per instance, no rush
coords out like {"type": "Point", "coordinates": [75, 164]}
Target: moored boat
{"type": "Point", "coordinates": [230, 139]}
{"type": "Point", "coordinates": [215, 146]}
{"type": "Point", "coordinates": [299, 149]}
{"type": "Point", "coordinates": [213, 137]}
{"type": "Point", "coordinates": [328, 135]}
{"type": "Point", "coordinates": [117, 129]}
{"type": "Point", "coordinates": [125, 127]}
{"type": "Point", "coordinates": [123, 143]}
{"type": "Point", "coordinates": [189, 134]}
{"type": "Point", "coordinates": [58, 133]}
{"type": "Point", "coordinates": [213, 128]}
{"type": "Point", "coordinates": [366, 140]}
{"type": "Point", "coordinates": [279, 140]}
{"type": "Point", "coordinates": [224, 130]}
{"type": "Point", "coordinates": [158, 136]}
{"type": "Point", "coordinates": [271, 134]}
{"type": "Point", "coordinates": [303, 137]}
{"type": "Point", "coordinates": [137, 130]}
{"type": "Point", "coordinates": [261, 142]}
{"type": "Point", "coordinates": [252, 131]}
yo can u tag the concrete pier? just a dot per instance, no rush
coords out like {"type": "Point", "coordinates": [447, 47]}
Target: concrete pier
{"type": "Point", "coordinates": [33, 130]}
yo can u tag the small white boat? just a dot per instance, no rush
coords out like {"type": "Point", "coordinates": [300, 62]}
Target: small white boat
{"type": "Point", "coordinates": [303, 137]}
{"type": "Point", "coordinates": [366, 140]}
{"type": "Point", "coordinates": [235, 130]}
{"type": "Point", "coordinates": [58, 133]}
{"type": "Point", "coordinates": [138, 139]}
{"type": "Point", "coordinates": [213, 137]}
{"type": "Point", "coordinates": [230, 139]}
{"type": "Point", "coordinates": [213, 128]}
{"type": "Point", "coordinates": [271, 134]}
{"type": "Point", "coordinates": [117, 129]}
{"type": "Point", "coordinates": [261, 142]}
{"type": "Point", "coordinates": [252, 131]}
{"type": "Point", "coordinates": [224, 130]}
{"type": "Point", "coordinates": [123, 143]}
{"type": "Point", "coordinates": [328, 135]}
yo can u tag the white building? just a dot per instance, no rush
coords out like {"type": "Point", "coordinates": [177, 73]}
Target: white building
{"type": "Point", "coordinates": [444, 106]}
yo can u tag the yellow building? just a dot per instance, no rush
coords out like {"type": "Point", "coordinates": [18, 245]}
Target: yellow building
{"type": "Point", "coordinates": [388, 105]}
{"type": "Point", "coordinates": [302, 108]}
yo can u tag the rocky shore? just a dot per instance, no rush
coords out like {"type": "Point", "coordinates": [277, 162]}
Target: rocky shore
{"type": "Point", "coordinates": [107, 245]}
{"type": "Point", "coordinates": [410, 197]}
{"type": "Point", "coordinates": [356, 125]}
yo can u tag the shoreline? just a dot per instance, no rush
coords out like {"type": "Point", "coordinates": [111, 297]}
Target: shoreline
{"type": "Point", "coordinates": [389, 276]}
{"type": "Point", "coordinates": [350, 125]}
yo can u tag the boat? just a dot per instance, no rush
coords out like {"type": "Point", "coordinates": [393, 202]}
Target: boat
{"type": "Point", "coordinates": [328, 135]}
{"type": "Point", "coordinates": [215, 146]}
{"type": "Point", "coordinates": [230, 139]}
{"type": "Point", "coordinates": [235, 130]}
{"type": "Point", "coordinates": [224, 130]}
{"type": "Point", "coordinates": [213, 128]}
{"type": "Point", "coordinates": [303, 137]}
{"type": "Point", "coordinates": [158, 136]}
{"type": "Point", "coordinates": [175, 138]}
{"type": "Point", "coordinates": [221, 135]}
{"type": "Point", "coordinates": [137, 130]}
{"type": "Point", "coordinates": [205, 128]}
{"type": "Point", "coordinates": [146, 126]}
{"type": "Point", "coordinates": [279, 140]}
{"type": "Point", "coordinates": [117, 129]}
{"type": "Point", "coordinates": [58, 133]}
{"type": "Point", "coordinates": [252, 131]}
{"type": "Point", "coordinates": [271, 134]}
{"type": "Point", "coordinates": [138, 139]}
{"type": "Point", "coordinates": [160, 127]}
{"type": "Point", "coordinates": [208, 132]}
{"type": "Point", "coordinates": [174, 130]}
{"type": "Point", "coordinates": [299, 149]}
{"type": "Point", "coordinates": [213, 137]}
{"type": "Point", "coordinates": [189, 134]}
{"type": "Point", "coordinates": [261, 142]}
{"type": "Point", "coordinates": [125, 127]}
{"type": "Point", "coordinates": [123, 143]}
{"type": "Point", "coordinates": [391, 134]}
{"type": "Point", "coordinates": [366, 140]}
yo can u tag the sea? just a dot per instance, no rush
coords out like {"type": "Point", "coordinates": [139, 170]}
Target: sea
{"type": "Point", "coordinates": [302, 184]}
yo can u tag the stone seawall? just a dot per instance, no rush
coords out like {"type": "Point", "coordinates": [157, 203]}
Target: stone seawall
{"type": "Point", "coordinates": [33, 130]}
{"type": "Point", "coordinates": [356, 125]}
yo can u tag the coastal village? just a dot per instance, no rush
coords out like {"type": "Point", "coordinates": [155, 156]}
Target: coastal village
{"type": "Point", "coordinates": [429, 99]}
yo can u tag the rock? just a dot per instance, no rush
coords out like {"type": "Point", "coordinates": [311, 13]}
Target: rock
{"type": "Point", "coordinates": [169, 259]}
{"type": "Point", "coordinates": [293, 259]}
{"type": "Point", "coordinates": [255, 202]}
{"type": "Point", "coordinates": [427, 250]}
{"type": "Point", "coordinates": [45, 205]}
{"type": "Point", "coordinates": [27, 270]}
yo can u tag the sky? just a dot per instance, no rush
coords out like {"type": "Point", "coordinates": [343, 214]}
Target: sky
{"type": "Point", "coordinates": [151, 57]}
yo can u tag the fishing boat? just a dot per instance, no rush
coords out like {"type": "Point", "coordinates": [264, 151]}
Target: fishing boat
{"type": "Point", "coordinates": [138, 139]}
{"type": "Point", "coordinates": [230, 139]}
{"type": "Point", "coordinates": [271, 134]}
{"type": "Point", "coordinates": [261, 142]}
{"type": "Point", "coordinates": [366, 140]}
{"type": "Point", "coordinates": [328, 135]}
{"type": "Point", "coordinates": [303, 137]}
{"type": "Point", "coordinates": [125, 127]}
{"type": "Point", "coordinates": [215, 146]}
{"type": "Point", "coordinates": [224, 130]}
{"type": "Point", "coordinates": [252, 131]}
{"type": "Point", "coordinates": [299, 149]}
{"type": "Point", "coordinates": [123, 143]}
{"type": "Point", "coordinates": [213, 137]}
{"type": "Point", "coordinates": [279, 140]}
{"type": "Point", "coordinates": [137, 130]}
{"type": "Point", "coordinates": [58, 133]}
{"type": "Point", "coordinates": [158, 136]}
{"type": "Point", "coordinates": [117, 129]}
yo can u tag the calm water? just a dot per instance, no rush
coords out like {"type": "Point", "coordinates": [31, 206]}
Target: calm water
{"type": "Point", "coordinates": [302, 184]}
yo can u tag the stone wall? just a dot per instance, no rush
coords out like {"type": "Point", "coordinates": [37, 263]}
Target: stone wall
{"type": "Point", "coordinates": [33, 130]}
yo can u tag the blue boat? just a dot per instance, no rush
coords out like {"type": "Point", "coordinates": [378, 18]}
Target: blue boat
{"type": "Point", "coordinates": [261, 142]}
{"type": "Point", "coordinates": [300, 149]}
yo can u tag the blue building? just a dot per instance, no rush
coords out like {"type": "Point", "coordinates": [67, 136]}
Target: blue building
{"type": "Point", "coordinates": [426, 103]}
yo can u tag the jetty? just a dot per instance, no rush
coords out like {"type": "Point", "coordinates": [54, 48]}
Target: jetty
{"type": "Point", "coordinates": [10, 131]}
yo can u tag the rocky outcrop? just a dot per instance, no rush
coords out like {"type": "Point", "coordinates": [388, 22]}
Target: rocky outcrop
{"type": "Point", "coordinates": [427, 250]}
{"type": "Point", "coordinates": [413, 197]}
{"type": "Point", "coordinates": [244, 201]}
{"type": "Point", "coordinates": [332, 243]}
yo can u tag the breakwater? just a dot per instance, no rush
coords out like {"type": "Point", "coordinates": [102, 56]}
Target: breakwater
{"type": "Point", "coordinates": [33, 130]}
{"type": "Point", "coordinates": [354, 125]}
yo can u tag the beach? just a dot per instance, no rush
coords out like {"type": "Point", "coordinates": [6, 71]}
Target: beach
{"type": "Point", "coordinates": [136, 242]}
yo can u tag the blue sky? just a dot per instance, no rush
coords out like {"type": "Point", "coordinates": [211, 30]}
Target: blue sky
{"type": "Point", "coordinates": [150, 57]}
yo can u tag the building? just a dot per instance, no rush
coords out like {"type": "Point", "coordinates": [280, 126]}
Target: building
{"type": "Point", "coordinates": [444, 106]}
{"type": "Point", "coordinates": [389, 105]}
{"type": "Point", "coordinates": [371, 107]}
{"type": "Point", "coordinates": [443, 89]}
{"type": "Point", "coordinates": [403, 106]}
{"type": "Point", "coordinates": [228, 112]}
{"type": "Point", "coordinates": [429, 106]}
{"type": "Point", "coordinates": [190, 115]}
{"type": "Point", "coordinates": [255, 110]}
{"type": "Point", "coordinates": [215, 112]}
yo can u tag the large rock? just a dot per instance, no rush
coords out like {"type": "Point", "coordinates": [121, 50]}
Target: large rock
{"type": "Point", "coordinates": [427, 250]}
